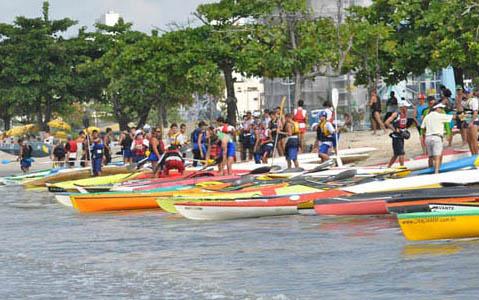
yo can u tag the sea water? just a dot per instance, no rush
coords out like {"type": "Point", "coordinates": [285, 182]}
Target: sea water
{"type": "Point", "coordinates": [52, 252]}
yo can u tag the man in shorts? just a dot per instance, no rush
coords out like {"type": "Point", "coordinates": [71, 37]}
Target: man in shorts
{"type": "Point", "coordinates": [433, 126]}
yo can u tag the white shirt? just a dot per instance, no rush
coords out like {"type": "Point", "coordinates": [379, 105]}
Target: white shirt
{"type": "Point", "coordinates": [434, 123]}
{"type": "Point", "coordinates": [473, 104]}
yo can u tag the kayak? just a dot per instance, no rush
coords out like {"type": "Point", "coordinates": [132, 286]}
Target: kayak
{"type": "Point", "coordinates": [74, 174]}
{"type": "Point", "coordinates": [468, 206]}
{"type": "Point", "coordinates": [462, 163]}
{"type": "Point", "coordinates": [440, 225]}
{"type": "Point", "coordinates": [422, 161]}
{"type": "Point", "coordinates": [304, 200]}
{"type": "Point", "coordinates": [381, 203]}
{"type": "Point", "coordinates": [415, 182]}
{"type": "Point", "coordinates": [74, 184]}
{"type": "Point", "coordinates": [228, 210]}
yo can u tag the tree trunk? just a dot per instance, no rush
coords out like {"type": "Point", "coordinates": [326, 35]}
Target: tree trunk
{"type": "Point", "coordinates": [48, 113]}
{"type": "Point", "coordinates": [231, 107]}
{"type": "Point", "coordinates": [143, 114]}
{"type": "Point", "coordinates": [298, 87]}
{"type": "Point", "coordinates": [121, 117]}
{"type": "Point", "coordinates": [163, 115]}
{"type": "Point", "coordinates": [459, 76]}
{"type": "Point", "coordinates": [6, 122]}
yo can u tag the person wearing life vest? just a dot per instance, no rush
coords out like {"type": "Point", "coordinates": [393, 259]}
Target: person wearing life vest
{"type": "Point", "coordinates": [97, 153]}
{"type": "Point", "coordinates": [156, 148]}
{"type": "Point", "coordinates": [107, 139]}
{"type": "Point", "coordinates": [264, 144]}
{"type": "Point", "coordinates": [300, 115]}
{"type": "Point", "coordinates": [25, 156]}
{"type": "Point", "coordinates": [139, 146]}
{"type": "Point", "coordinates": [71, 148]}
{"type": "Point", "coordinates": [292, 141]}
{"type": "Point", "coordinates": [324, 136]}
{"type": "Point", "coordinates": [125, 143]}
{"type": "Point", "coordinates": [226, 134]}
{"type": "Point", "coordinates": [172, 136]}
{"type": "Point", "coordinates": [398, 122]}
{"type": "Point", "coordinates": [199, 142]}
{"type": "Point", "coordinates": [58, 154]}
{"type": "Point", "coordinates": [247, 137]}
{"type": "Point", "coordinates": [214, 147]}
{"type": "Point", "coordinates": [172, 160]}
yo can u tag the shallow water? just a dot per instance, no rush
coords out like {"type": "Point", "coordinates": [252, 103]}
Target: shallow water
{"type": "Point", "coordinates": [50, 252]}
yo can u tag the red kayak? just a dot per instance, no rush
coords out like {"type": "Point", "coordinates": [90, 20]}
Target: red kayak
{"type": "Point", "coordinates": [338, 207]}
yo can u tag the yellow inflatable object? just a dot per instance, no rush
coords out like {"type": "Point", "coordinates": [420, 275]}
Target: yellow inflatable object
{"type": "Point", "coordinates": [60, 125]}
{"type": "Point", "coordinates": [22, 130]}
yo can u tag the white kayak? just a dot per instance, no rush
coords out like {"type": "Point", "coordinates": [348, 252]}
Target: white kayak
{"type": "Point", "coordinates": [456, 177]}
{"type": "Point", "coordinates": [229, 210]}
{"type": "Point", "coordinates": [64, 199]}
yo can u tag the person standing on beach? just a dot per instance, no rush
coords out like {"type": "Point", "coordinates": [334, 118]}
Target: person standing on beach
{"type": "Point", "coordinates": [375, 106]}
{"type": "Point", "coordinates": [324, 136]}
{"type": "Point", "coordinates": [225, 133]}
{"type": "Point", "coordinates": [139, 147]}
{"type": "Point", "coordinates": [292, 142]}
{"type": "Point", "coordinates": [71, 148]}
{"type": "Point", "coordinates": [391, 105]}
{"type": "Point", "coordinates": [399, 122]}
{"type": "Point", "coordinates": [156, 148]}
{"type": "Point", "coordinates": [125, 143]}
{"type": "Point", "coordinates": [25, 155]}
{"type": "Point", "coordinates": [58, 154]}
{"type": "Point", "coordinates": [247, 137]}
{"type": "Point", "coordinates": [199, 143]}
{"type": "Point", "coordinates": [107, 139]}
{"type": "Point", "coordinates": [300, 115]}
{"type": "Point", "coordinates": [433, 128]}
{"type": "Point", "coordinates": [460, 102]}
{"type": "Point", "coordinates": [473, 105]}
{"type": "Point", "coordinates": [418, 110]}
{"type": "Point", "coordinates": [97, 153]}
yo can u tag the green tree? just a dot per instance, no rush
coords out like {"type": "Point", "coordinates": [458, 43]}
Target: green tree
{"type": "Point", "coordinates": [35, 67]}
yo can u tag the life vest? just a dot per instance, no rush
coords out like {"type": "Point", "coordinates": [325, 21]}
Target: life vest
{"type": "Point", "coordinates": [174, 139]}
{"type": "Point", "coordinates": [139, 148]}
{"type": "Point", "coordinates": [226, 128]}
{"type": "Point", "coordinates": [173, 155]}
{"type": "Point", "coordinates": [196, 134]}
{"type": "Point", "coordinates": [59, 151]}
{"type": "Point", "coordinates": [73, 146]}
{"type": "Point", "coordinates": [215, 150]}
{"type": "Point", "coordinates": [299, 115]}
{"type": "Point", "coordinates": [295, 127]}
{"type": "Point", "coordinates": [323, 134]}
{"type": "Point", "coordinates": [97, 150]}
{"type": "Point", "coordinates": [401, 121]}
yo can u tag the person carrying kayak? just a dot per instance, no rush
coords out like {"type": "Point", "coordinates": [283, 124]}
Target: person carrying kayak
{"type": "Point", "coordinates": [172, 160]}
{"type": "Point", "coordinates": [226, 133]}
{"type": "Point", "coordinates": [264, 144]}
{"type": "Point", "coordinates": [433, 128]}
{"type": "Point", "coordinates": [25, 155]}
{"type": "Point", "coordinates": [398, 123]}
{"type": "Point", "coordinates": [291, 130]}
{"type": "Point", "coordinates": [71, 148]}
{"type": "Point", "coordinates": [156, 147]}
{"type": "Point", "coordinates": [199, 141]}
{"type": "Point", "coordinates": [139, 147]}
{"type": "Point", "coordinates": [97, 153]}
{"type": "Point", "coordinates": [324, 136]}
{"type": "Point", "coordinates": [300, 115]}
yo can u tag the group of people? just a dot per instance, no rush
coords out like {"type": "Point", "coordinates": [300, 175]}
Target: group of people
{"type": "Point", "coordinates": [435, 120]}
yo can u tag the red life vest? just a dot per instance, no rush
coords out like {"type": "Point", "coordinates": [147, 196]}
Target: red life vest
{"type": "Point", "coordinates": [298, 116]}
{"type": "Point", "coordinates": [73, 146]}
{"type": "Point", "coordinates": [139, 148]}
{"type": "Point", "coordinates": [214, 151]}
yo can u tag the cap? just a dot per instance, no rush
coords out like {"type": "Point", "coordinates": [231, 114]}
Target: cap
{"type": "Point", "coordinates": [439, 105]}
{"type": "Point", "coordinates": [458, 87]}
{"type": "Point", "coordinates": [137, 132]}
{"type": "Point", "coordinates": [404, 103]}
{"type": "Point", "coordinates": [323, 114]}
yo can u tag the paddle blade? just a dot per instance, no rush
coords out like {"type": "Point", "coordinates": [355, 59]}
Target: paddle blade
{"type": "Point", "coordinates": [6, 161]}
{"type": "Point", "coordinates": [342, 176]}
{"type": "Point", "coordinates": [261, 170]}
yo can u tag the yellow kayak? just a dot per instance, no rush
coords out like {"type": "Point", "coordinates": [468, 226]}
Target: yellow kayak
{"type": "Point", "coordinates": [100, 180]}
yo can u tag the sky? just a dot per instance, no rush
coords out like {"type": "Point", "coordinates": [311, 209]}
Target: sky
{"type": "Point", "coordinates": [144, 14]}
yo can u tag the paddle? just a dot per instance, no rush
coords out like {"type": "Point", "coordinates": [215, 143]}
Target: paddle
{"type": "Point", "coordinates": [335, 100]}
{"type": "Point", "coordinates": [347, 174]}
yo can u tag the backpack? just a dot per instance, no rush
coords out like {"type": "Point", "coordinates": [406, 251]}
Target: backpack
{"type": "Point", "coordinates": [59, 151]}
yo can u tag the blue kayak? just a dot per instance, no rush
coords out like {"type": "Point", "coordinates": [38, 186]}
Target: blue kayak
{"type": "Point", "coordinates": [466, 162]}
